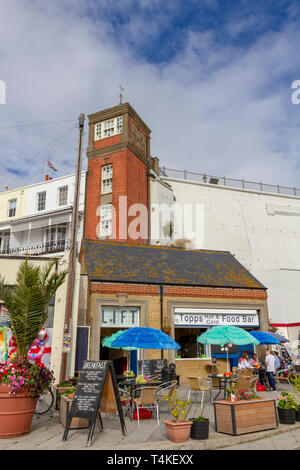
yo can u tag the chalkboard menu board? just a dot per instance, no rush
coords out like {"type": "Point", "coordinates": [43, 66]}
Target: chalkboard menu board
{"type": "Point", "coordinates": [151, 366]}
{"type": "Point", "coordinates": [96, 386]}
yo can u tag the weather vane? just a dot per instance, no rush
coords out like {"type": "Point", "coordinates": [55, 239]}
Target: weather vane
{"type": "Point", "coordinates": [121, 93]}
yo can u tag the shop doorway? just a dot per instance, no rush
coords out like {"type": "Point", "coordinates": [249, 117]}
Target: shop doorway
{"type": "Point", "coordinates": [121, 358]}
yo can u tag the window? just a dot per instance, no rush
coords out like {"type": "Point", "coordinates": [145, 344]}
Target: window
{"type": "Point", "coordinates": [12, 205]}
{"type": "Point", "coordinates": [63, 196]}
{"type": "Point", "coordinates": [55, 238]}
{"type": "Point", "coordinates": [190, 348]}
{"type": "Point", "coordinates": [107, 173]}
{"type": "Point", "coordinates": [41, 201]}
{"type": "Point", "coordinates": [109, 128]}
{"type": "Point", "coordinates": [106, 220]}
{"type": "Point", "coordinates": [4, 242]}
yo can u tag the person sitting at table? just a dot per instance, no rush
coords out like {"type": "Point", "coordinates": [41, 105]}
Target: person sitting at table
{"type": "Point", "coordinates": [244, 362]}
{"type": "Point", "coordinates": [254, 359]}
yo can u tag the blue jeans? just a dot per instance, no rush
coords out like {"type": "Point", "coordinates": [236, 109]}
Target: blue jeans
{"type": "Point", "coordinates": [271, 380]}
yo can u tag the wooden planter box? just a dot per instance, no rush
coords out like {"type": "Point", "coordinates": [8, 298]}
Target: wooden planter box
{"type": "Point", "coordinates": [76, 423]}
{"type": "Point", "coordinates": [56, 391]}
{"type": "Point", "coordinates": [245, 416]}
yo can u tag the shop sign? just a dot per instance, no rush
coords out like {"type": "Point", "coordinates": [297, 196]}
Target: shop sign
{"type": "Point", "coordinates": [119, 317]}
{"type": "Point", "coordinates": [194, 317]}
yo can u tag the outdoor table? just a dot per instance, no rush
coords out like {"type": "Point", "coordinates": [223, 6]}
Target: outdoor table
{"type": "Point", "coordinates": [133, 385]}
{"type": "Point", "coordinates": [223, 383]}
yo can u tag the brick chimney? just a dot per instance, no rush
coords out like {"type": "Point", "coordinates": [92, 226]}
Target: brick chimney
{"type": "Point", "coordinates": [5, 188]}
{"type": "Point", "coordinates": [46, 177]}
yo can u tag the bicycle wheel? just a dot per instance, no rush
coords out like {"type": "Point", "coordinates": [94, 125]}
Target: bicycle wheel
{"type": "Point", "coordinates": [44, 403]}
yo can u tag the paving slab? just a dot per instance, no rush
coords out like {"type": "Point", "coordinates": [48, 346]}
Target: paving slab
{"type": "Point", "coordinates": [46, 434]}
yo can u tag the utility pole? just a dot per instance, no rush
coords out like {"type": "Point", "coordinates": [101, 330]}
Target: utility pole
{"type": "Point", "coordinates": [73, 254]}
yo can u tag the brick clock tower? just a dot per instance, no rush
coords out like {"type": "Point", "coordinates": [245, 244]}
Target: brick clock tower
{"type": "Point", "coordinates": [118, 186]}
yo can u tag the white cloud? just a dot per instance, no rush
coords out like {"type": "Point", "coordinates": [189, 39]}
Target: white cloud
{"type": "Point", "coordinates": [215, 108]}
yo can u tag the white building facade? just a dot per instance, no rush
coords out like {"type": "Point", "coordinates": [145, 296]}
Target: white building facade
{"type": "Point", "coordinates": [260, 225]}
{"type": "Point", "coordinates": [44, 225]}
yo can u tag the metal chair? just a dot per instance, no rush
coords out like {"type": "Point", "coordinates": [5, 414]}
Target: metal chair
{"type": "Point", "coordinates": [283, 376]}
{"type": "Point", "coordinates": [200, 384]}
{"type": "Point", "coordinates": [147, 399]}
{"type": "Point", "coordinates": [125, 399]}
{"type": "Point", "coordinates": [166, 389]}
{"type": "Point", "coordinates": [246, 380]}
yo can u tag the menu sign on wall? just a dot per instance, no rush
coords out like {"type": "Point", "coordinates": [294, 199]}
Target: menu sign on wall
{"type": "Point", "coordinates": [199, 317]}
{"type": "Point", "coordinates": [119, 317]}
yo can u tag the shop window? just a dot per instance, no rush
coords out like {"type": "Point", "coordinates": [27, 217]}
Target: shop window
{"type": "Point", "coordinates": [190, 348]}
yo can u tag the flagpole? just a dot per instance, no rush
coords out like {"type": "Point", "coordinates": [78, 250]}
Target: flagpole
{"type": "Point", "coordinates": [45, 170]}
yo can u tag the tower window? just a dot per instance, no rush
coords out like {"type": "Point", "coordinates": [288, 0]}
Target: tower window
{"type": "Point", "coordinates": [107, 173]}
{"type": "Point", "coordinates": [106, 220]}
{"type": "Point", "coordinates": [108, 128]}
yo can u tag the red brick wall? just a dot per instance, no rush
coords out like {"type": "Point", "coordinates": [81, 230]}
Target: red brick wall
{"type": "Point", "coordinates": [129, 179]}
{"type": "Point", "coordinates": [201, 292]}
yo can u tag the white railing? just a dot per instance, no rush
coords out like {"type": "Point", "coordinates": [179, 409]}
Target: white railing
{"type": "Point", "coordinates": [230, 182]}
{"type": "Point", "coordinates": [38, 249]}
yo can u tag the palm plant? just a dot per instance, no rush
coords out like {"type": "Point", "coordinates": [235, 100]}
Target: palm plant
{"type": "Point", "coordinates": [27, 303]}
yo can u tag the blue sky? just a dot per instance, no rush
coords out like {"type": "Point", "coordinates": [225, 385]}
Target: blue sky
{"type": "Point", "coordinates": [212, 79]}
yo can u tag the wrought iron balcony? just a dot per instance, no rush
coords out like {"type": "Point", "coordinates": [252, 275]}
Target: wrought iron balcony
{"type": "Point", "coordinates": [59, 246]}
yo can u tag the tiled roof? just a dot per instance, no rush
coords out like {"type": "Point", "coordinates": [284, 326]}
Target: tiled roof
{"type": "Point", "coordinates": [119, 262]}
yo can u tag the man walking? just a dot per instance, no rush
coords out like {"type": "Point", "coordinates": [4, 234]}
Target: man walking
{"type": "Point", "coordinates": [270, 368]}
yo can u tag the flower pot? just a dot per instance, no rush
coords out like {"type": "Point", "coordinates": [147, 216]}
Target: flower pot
{"type": "Point", "coordinates": [178, 431]}
{"type": "Point", "coordinates": [286, 416]}
{"type": "Point", "coordinates": [16, 412]}
{"type": "Point", "coordinates": [298, 414]}
{"type": "Point", "coordinates": [200, 429]}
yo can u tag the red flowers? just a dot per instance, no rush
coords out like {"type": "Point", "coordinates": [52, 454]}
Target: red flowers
{"type": "Point", "coordinates": [227, 374]}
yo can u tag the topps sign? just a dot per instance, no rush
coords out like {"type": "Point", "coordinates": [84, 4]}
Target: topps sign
{"type": "Point", "coordinates": [194, 317]}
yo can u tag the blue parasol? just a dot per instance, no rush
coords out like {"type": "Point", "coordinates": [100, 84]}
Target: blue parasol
{"type": "Point", "coordinates": [280, 338]}
{"type": "Point", "coordinates": [145, 338]}
{"type": "Point", "coordinates": [263, 337]}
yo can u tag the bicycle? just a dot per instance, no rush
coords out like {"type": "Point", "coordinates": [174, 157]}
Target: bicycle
{"type": "Point", "coordinates": [45, 404]}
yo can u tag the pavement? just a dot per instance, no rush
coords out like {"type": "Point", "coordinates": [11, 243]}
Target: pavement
{"type": "Point", "coordinates": [46, 434]}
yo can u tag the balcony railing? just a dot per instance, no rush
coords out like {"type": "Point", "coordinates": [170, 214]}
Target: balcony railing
{"type": "Point", "coordinates": [230, 182]}
{"type": "Point", "coordinates": [39, 249]}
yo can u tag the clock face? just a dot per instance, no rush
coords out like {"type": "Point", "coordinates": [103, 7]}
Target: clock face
{"type": "Point", "coordinates": [138, 137]}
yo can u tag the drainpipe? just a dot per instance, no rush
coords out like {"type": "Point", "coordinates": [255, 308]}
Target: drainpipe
{"type": "Point", "coordinates": [148, 205]}
{"type": "Point", "coordinates": [161, 290]}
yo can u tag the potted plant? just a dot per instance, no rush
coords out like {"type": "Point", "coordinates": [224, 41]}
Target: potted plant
{"type": "Point", "coordinates": [200, 425]}
{"type": "Point", "coordinates": [166, 328]}
{"type": "Point", "coordinates": [21, 382]}
{"type": "Point", "coordinates": [296, 383]}
{"type": "Point", "coordinates": [62, 387]}
{"type": "Point", "coordinates": [287, 407]}
{"type": "Point", "coordinates": [179, 428]}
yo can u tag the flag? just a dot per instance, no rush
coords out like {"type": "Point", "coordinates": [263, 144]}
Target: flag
{"type": "Point", "coordinates": [49, 164]}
